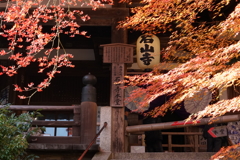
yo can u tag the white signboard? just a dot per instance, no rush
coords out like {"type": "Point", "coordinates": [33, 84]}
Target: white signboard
{"type": "Point", "coordinates": [219, 131]}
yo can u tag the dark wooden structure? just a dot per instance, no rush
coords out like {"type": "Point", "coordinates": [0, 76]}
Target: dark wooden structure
{"type": "Point", "coordinates": [102, 28]}
{"type": "Point", "coordinates": [65, 89]}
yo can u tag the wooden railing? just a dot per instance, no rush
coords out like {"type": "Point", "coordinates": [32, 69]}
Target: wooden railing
{"type": "Point", "coordinates": [195, 136]}
{"type": "Point", "coordinates": [73, 124]}
{"type": "Point", "coordinates": [195, 145]}
{"type": "Point", "coordinates": [42, 138]}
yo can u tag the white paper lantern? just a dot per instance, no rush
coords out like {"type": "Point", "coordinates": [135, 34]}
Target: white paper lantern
{"type": "Point", "coordinates": [148, 51]}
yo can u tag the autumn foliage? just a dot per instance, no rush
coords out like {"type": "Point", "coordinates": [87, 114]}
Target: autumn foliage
{"type": "Point", "coordinates": [22, 23]}
{"type": "Point", "coordinates": [204, 40]}
{"type": "Point", "coordinates": [203, 35]}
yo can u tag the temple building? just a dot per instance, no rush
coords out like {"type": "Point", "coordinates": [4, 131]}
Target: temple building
{"type": "Point", "coordinates": [61, 102]}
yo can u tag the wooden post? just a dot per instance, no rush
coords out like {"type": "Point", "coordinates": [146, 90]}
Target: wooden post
{"type": "Point", "coordinates": [88, 110]}
{"type": "Point", "coordinates": [88, 121]}
{"type": "Point", "coordinates": [76, 117]}
{"type": "Point", "coordinates": [169, 143]}
{"type": "Point", "coordinates": [196, 144]}
{"type": "Point", "coordinates": [118, 54]}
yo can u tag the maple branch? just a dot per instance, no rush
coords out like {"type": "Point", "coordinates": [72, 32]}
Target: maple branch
{"type": "Point", "coordinates": [26, 32]}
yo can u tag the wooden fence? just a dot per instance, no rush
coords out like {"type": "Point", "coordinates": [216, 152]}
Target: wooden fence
{"type": "Point", "coordinates": [194, 143]}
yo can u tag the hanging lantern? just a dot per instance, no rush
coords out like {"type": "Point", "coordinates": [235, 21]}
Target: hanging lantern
{"type": "Point", "coordinates": [148, 51]}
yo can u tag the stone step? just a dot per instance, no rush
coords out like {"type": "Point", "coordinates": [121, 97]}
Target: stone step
{"type": "Point", "coordinates": [163, 156]}
{"type": "Point", "coordinates": [160, 159]}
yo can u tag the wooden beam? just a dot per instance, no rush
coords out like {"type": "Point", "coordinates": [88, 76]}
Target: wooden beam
{"type": "Point", "coordinates": [55, 123]}
{"type": "Point", "coordinates": [104, 16]}
{"type": "Point", "coordinates": [60, 147]}
{"type": "Point", "coordinates": [134, 69]}
{"type": "Point", "coordinates": [36, 107]}
{"type": "Point", "coordinates": [51, 139]}
{"type": "Point", "coordinates": [99, 17]}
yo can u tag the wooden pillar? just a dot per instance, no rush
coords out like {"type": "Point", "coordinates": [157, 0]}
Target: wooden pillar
{"type": "Point", "coordinates": [118, 54]}
{"type": "Point", "coordinates": [118, 67]}
{"type": "Point", "coordinates": [119, 35]}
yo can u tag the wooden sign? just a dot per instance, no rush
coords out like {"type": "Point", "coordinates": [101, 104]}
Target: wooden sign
{"type": "Point", "coordinates": [117, 92]}
{"type": "Point", "coordinates": [117, 53]}
{"type": "Point", "coordinates": [220, 131]}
